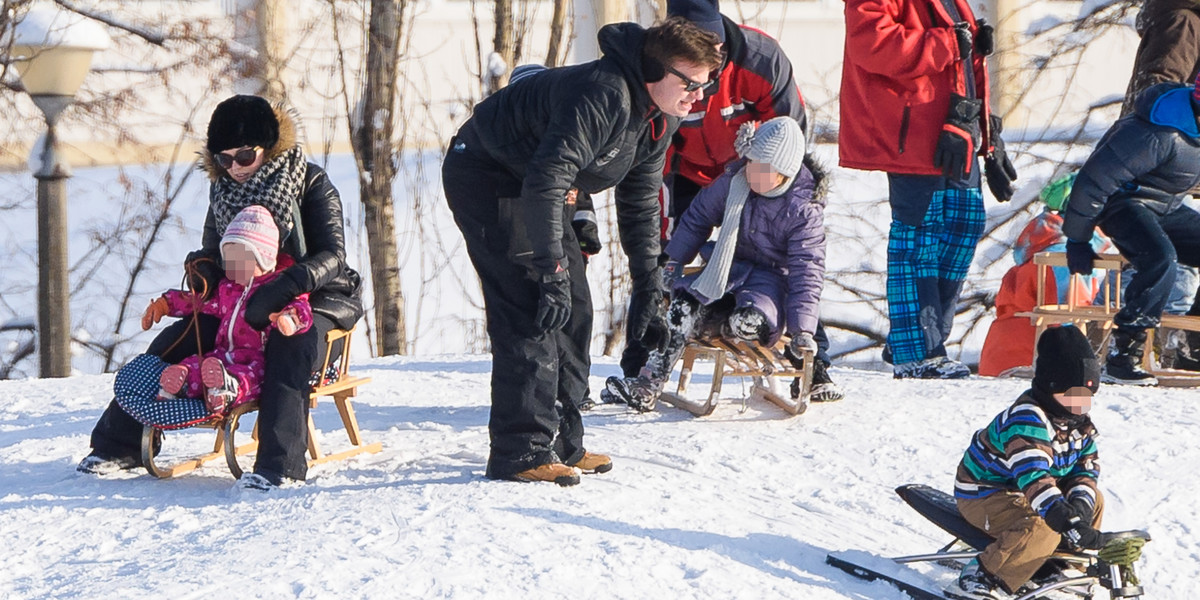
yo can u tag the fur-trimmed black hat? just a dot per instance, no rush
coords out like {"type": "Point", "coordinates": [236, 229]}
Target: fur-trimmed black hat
{"type": "Point", "coordinates": [1065, 360]}
{"type": "Point", "coordinates": [242, 121]}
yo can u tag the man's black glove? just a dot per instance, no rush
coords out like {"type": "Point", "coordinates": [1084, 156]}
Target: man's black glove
{"type": "Point", "coordinates": [272, 296]}
{"type": "Point", "coordinates": [985, 38]}
{"type": "Point", "coordinates": [647, 321]}
{"type": "Point", "coordinates": [204, 273]}
{"type": "Point", "coordinates": [1063, 518]}
{"type": "Point", "coordinates": [959, 141]}
{"type": "Point", "coordinates": [1080, 257]}
{"type": "Point", "coordinates": [554, 301]}
{"type": "Point", "coordinates": [962, 32]}
{"type": "Point", "coordinates": [998, 170]}
{"type": "Point", "coordinates": [586, 232]}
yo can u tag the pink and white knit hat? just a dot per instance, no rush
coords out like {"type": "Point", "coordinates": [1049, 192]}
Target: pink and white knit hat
{"type": "Point", "coordinates": [255, 228]}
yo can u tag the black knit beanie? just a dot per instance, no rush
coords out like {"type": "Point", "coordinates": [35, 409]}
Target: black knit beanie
{"type": "Point", "coordinates": [1065, 360]}
{"type": "Point", "coordinates": [705, 14]}
{"type": "Point", "coordinates": [242, 121]}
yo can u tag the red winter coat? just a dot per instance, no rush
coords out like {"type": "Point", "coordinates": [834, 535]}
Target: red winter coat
{"type": "Point", "coordinates": [756, 84]}
{"type": "Point", "coordinates": [900, 66]}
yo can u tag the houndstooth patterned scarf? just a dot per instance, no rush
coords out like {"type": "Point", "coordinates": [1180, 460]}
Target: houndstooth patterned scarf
{"type": "Point", "coordinates": [274, 186]}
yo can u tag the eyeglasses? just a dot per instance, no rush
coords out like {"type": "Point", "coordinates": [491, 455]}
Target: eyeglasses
{"type": "Point", "coordinates": [690, 85]}
{"type": "Point", "coordinates": [244, 157]}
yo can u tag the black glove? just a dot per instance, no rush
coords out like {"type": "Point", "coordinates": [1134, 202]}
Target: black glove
{"type": "Point", "coordinates": [1083, 509]}
{"type": "Point", "coordinates": [554, 301]}
{"type": "Point", "coordinates": [272, 296]}
{"type": "Point", "coordinates": [670, 272]}
{"type": "Point", "coordinates": [204, 273]}
{"type": "Point", "coordinates": [587, 233]}
{"type": "Point", "coordinates": [959, 141]}
{"type": "Point", "coordinates": [998, 170]}
{"type": "Point", "coordinates": [1060, 516]}
{"type": "Point", "coordinates": [1080, 257]}
{"type": "Point", "coordinates": [985, 38]}
{"type": "Point", "coordinates": [647, 321]}
{"type": "Point", "coordinates": [962, 31]}
{"type": "Point", "coordinates": [1084, 537]}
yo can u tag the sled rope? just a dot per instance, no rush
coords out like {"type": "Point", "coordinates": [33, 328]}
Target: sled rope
{"type": "Point", "coordinates": [189, 271]}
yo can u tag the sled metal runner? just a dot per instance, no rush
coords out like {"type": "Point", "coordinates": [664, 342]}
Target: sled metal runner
{"type": "Point", "coordinates": [739, 358]}
{"type": "Point", "coordinates": [341, 388]}
{"type": "Point", "coordinates": [941, 509]}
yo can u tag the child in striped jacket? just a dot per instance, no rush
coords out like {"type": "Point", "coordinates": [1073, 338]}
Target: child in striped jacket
{"type": "Point", "coordinates": [1028, 479]}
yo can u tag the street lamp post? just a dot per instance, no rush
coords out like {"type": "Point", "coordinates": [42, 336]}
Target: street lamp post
{"type": "Point", "coordinates": [52, 52]}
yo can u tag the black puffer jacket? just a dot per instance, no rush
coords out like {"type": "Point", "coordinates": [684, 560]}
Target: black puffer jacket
{"type": "Point", "coordinates": [1151, 157]}
{"type": "Point", "coordinates": [335, 290]}
{"type": "Point", "coordinates": [589, 126]}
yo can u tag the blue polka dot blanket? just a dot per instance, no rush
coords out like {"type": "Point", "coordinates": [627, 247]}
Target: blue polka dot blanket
{"type": "Point", "coordinates": [136, 391]}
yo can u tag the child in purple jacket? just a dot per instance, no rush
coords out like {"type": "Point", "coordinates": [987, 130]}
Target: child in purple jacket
{"type": "Point", "coordinates": [767, 270]}
{"type": "Point", "coordinates": [231, 373]}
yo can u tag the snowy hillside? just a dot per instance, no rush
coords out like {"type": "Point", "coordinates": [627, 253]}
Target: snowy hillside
{"type": "Point", "coordinates": [741, 504]}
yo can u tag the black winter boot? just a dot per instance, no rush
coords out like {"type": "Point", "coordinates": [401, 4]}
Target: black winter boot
{"type": "Point", "coordinates": [1187, 355]}
{"type": "Point", "coordinates": [1124, 365]}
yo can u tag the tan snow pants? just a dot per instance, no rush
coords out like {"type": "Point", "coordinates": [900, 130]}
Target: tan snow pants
{"type": "Point", "coordinates": [1023, 540]}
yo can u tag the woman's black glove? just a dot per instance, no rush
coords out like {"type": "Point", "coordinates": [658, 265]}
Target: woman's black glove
{"type": "Point", "coordinates": [959, 141]}
{"type": "Point", "coordinates": [271, 297]}
{"type": "Point", "coordinates": [204, 273]}
{"type": "Point", "coordinates": [554, 301]}
{"type": "Point", "coordinates": [997, 168]}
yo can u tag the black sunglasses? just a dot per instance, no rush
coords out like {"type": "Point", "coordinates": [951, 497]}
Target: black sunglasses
{"type": "Point", "coordinates": [244, 158]}
{"type": "Point", "coordinates": [688, 84]}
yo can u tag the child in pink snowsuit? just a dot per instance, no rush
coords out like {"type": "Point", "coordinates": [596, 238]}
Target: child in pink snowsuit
{"type": "Point", "coordinates": [231, 373]}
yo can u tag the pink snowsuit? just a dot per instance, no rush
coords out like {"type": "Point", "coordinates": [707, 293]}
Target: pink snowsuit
{"type": "Point", "coordinates": [239, 346]}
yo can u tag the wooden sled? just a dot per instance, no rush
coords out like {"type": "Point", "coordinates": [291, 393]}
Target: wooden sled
{"type": "Point", "coordinates": [739, 358]}
{"type": "Point", "coordinates": [1100, 317]}
{"type": "Point", "coordinates": [341, 388]}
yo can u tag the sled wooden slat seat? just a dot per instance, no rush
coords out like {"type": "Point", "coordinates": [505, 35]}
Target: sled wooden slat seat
{"type": "Point", "coordinates": [1099, 315]}
{"type": "Point", "coordinates": [342, 388]}
{"type": "Point", "coordinates": [739, 358]}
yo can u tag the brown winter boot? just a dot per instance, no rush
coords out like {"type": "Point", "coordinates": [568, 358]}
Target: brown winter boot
{"type": "Point", "coordinates": [594, 463]}
{"type": "Point", "coordinates": [556, 472]}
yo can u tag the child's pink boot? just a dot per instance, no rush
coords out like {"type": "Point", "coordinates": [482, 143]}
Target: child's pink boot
{"type": "Point", "coordinates": [221, 388]}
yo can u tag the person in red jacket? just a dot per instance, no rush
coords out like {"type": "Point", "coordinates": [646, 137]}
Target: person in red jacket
{"type": "Point", "coordinates": [914, 104]}
{"type": "Point", "coordinates": [755, 83]}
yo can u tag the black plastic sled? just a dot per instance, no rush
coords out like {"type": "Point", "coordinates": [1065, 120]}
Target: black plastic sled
{"type": "Point", "coordinates": [1079, 578]}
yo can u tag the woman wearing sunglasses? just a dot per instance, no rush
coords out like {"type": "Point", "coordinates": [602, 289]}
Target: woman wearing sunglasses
{"type": "Point", "coordinates": [253, 157]}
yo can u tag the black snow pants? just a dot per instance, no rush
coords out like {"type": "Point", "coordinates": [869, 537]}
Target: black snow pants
{"type": "Point", "coordinates": [283, 401]}
{"type": "Point", "coordinates": [538, 378]}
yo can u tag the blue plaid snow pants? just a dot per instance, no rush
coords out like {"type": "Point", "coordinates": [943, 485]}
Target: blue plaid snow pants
{"type": "Point", "coordinates": [936, 224]}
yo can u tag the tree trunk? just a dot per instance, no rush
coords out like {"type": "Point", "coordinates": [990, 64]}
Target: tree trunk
{"type": "Point", "coordinates": [502, 46]}
{"type": "Point", "coordinates": [558, 22]}
{"type": "Point", "coordinates": [263, 25]}
{"type": "Point", "coordinates": [377, 170]}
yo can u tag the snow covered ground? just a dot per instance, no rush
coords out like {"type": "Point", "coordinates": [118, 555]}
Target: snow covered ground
{"type": "Point", "coordinates": [741, 504]}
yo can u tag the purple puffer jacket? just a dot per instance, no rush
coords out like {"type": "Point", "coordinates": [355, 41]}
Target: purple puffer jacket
{"type": "Point", "coordinates": [783, 235]}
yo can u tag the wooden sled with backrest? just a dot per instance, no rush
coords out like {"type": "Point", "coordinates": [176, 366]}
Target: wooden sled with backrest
{"type": "Point", "coordinates": [1099, 316]}
{"type": "Point", "coordinates": [739, 358]}
{"type": "Point", "coordinates": [334, 382]}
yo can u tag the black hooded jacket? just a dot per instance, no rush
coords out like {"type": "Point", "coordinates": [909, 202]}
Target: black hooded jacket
{"type": "Point", "coordinates": [1151, 157]}
{"type": "Point", "coordinates": [590, 126]}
